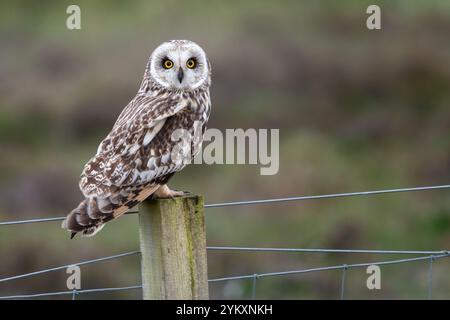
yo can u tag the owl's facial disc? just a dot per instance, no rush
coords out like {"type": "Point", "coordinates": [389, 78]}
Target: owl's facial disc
{"type": "Point", "coordinates": [179, 65]}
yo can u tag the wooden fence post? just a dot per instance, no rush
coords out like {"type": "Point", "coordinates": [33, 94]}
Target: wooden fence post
{"type": "Point", "coordinates": [173, 249]}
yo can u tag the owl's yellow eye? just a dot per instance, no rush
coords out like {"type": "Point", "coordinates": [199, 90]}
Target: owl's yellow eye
{"type": "Point", "coordinates": [167, 64]}
{"type": "Point", "coordinates": [191, 63]}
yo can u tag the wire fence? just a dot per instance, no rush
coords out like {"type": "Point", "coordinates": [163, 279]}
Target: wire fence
{"type": "Point", "coordinates": [433, 255]}
{"type": "Point", "coordinates": [423, 255]}
{"type": "Point", "coordinates": [265, 201]}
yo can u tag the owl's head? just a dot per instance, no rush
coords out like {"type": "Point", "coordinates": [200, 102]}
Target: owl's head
{"type": "Point", "coordinates": [179, 65]}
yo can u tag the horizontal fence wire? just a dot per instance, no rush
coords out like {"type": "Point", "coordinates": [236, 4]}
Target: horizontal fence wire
{"type": "Point", "coordinates": [26, 275]}
{"type": "Point", "coordinates": [336, 267]}
{"type": "Point", "coordinates": [326, 196]}
{"type": "Point", "coordinates": [212, 248]}
{"type": "Point", "coordinates": [266, 201]}
{"type": "Point", "coordinates": [253, 276]}
{"type": "Point", "coordinates": [73, 292]}
{"type": "Point", "coordinates": [37, 220]}
{"type": "Point", "coordinates": [215, 248]}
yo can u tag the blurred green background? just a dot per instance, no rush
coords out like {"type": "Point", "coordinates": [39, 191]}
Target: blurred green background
{"type": "Point", "coordinates": [357, 110]}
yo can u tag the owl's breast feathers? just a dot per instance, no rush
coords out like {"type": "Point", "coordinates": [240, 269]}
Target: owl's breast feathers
{"type": "Point", "coordinates": [138, 149]}
{"type": "Point", "coordinates": [135, 159]}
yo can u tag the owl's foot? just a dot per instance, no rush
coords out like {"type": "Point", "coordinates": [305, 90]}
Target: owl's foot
{"type": "Point", "coordinates": [164, 192]}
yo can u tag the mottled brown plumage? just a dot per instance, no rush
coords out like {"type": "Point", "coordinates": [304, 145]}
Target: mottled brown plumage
{"type": "Point", "coordinates": [137, 157]}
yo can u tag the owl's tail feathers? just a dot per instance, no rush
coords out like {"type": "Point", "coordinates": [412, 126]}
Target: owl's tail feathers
{"type": "Point", "coordinates": [92, 213]}
{"type": "Point", "coordinates": [90, 216]}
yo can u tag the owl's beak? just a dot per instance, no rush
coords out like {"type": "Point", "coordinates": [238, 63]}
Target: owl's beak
{"type": "Point", "coordinates": [180, 75]}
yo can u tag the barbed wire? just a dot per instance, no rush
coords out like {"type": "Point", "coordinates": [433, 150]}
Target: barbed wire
{"type": "Point", "coordinates": [266, 201]}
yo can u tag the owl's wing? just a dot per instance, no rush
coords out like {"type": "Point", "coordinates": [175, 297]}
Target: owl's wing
{"type": "Point", "coordinates": [116, 162]}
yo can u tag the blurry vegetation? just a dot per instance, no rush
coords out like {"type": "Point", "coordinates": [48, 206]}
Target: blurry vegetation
{"type": "Point", "coordinates": [357, 110]}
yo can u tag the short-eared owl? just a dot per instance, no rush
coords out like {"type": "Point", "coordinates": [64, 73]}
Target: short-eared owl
{"type": "Point", "coordinates": [135, 160]}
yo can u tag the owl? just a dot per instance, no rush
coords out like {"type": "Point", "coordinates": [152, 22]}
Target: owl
{"type": "Point", "coordinates": [136, 159]}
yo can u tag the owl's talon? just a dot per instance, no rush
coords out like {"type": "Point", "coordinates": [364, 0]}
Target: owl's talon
{"type": "Point", "coordinates": [164, 192]}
